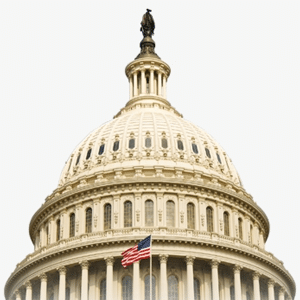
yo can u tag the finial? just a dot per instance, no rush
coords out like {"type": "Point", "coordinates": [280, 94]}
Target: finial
{"type": "Point", "coordinates": [147, 28]}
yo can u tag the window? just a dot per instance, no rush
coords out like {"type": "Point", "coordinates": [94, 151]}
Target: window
{"type": "Point", "coordinates": [207, 153]}
{"type": "Point", "coordinates": [51, 297]}
{"type": "Point", "coordinates": [72, 225]}
{"type": "Point", "coordinates": [170, 214]}
{"type": "Point", "coordinates": [103, 289]}
{"type": "Point", "coordinates": [78, 159]}
{"type": "Point", "coordinates": [172, 288]}
{"type": "Point", "coordinates": [116, 146]}
{"type": "Point", "coordinates": [88, 220]}
{"type": "Point", "coordinates": [147, 288]}
{"type": "Point", "coordinates": [251, 232]}
{"type": "Point", "coordinates": [164, 143]}
{"type": "Point", "coordinates": [149, 213]}
{"type": "Point", "coordinates": [232, 296]}
{"type": "Point", "coordinates": [127, 288]}
{"type": "Point", "coordinates": [101, 149]}
{"type": "Point", "coordinates": [219, 158]}
{"type": "Point", "coordinates": [57, 230]}
{"type": "Point", "coordinates": [179, 144]}
{"type": "Point", "coordinates": [70, 164]}
{"type": "Point", "coordinates": [107, 216]}
{"type": "Point", "coordinates": [209, 219]}
{"type": "Point", "coordinates": [131, 143]}
{"type": "Point", "coordinates": [248, 297]}
{"type": "Point", "coordinates": [226, 223]}
{"type": "Point", "coordinates": [47, 234]}
{"type": "Point", "coordinates": [240, 228]}
{"type": "Point", "coordinates": [67, 293]}
{"type": "Point", "coordinates": [88, 155]}
{"type": "Point", "coordinates": [196, 289]}
{"type": "Point", "coordinates": [195, 148]}
{"type": "Point", "coordinates": [191, 216]}
{"type": "Point", "coordinates": [127, 214]}
{"type": "Point", "coordinates": [148, 142]}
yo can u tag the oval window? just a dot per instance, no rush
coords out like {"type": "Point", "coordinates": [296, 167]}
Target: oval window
{"type": "Point", "coordinates": [88, 155]}
{"type": "Point", "coordinates": [131, 144]}
{"type": "Point", "coordinates": [148, 142]}
{"type": "Point", "coordinates": [101, 149]}
{"type": "Point", "coordinates": [195, 148]}
{"type": "Point", "coordinates": [116, 146]}
{"type": "Point", "coordinates": [164, 143]}
{"type": "Point", "coordinates": [180, 144]}
{"type": "Point", "coordinates": [219, 158]}
{"type": "Point", "coordinates": [207, 153]}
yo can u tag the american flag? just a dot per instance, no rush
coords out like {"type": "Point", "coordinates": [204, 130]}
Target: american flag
{"type": "Point", "coordinates": [140, 251]}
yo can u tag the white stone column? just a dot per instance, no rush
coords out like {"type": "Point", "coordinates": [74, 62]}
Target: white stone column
{"type": "Point", "coordinates": [43, 236]}
{"type": "Point", "coordinates": [136, 280]}
{"type": "Point", "coordinates": [261, 240]}
{"type": "Point", "coordinates": [62, 283]}
{"type": "Point", "coordinates": [215, 279]}
{"type": "Point", "coordinates": [237, 282]}
{"type": "Point", "coordinates": [143, 82]}
{"type": "Point", "coordinates": [190, 277]}
{"type": "Point", "coordinates": [52, 230]}
{"type": "Point", "coordinates": [256, 290]}
{"type": "Point", "coordinates": [165, 86]}
{"type": "Point", "coordinates": [130, 87]}
{"type": "Point", "coordinates": [163, 277]}
{"type": "Point", "coordinates": [109, 277]}
{"type": "Point", "coordinates": [18, 295]}
{"type": "Point", "coordinates": [84, 279]}
{"type": "Point", "coordinates": [271, 289]}
{"type": "Point", "coordinates": [43, 290]}
{"type": "Point", "coordinates": [281, 293]}
{"type": "Point", "coordinates": [151, 81]}
{"type": "Point", "coordinates": [28, 290]}
{"type": "Point", "coordinates": [159, 83]}
{"type": "Point", "coordinates": [255, 234]}
{"type": "Point", "coordinates": [135, 86]}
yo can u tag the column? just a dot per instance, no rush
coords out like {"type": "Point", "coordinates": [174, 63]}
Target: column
{"type": "Point", "coordinates": [281, 293]}
{"type": "Point", "coordinates": [62, 283]}
{"type": "Point", "coordinates": [190, 277]}
{"type": "Point", "coordinates": [18, 295]}
{"type": "Point", "coordinates": [136, 280]}
{"type": "Point", "coordinates": [84, 279]}
{"type": "Point", "coordinates": [163, 277]}
{"type": "Point", "coordinates": [28, 290]}
{"type": "Point", "coordinates": [151, 81]}
{"type": "Point", "coordinates": [43, 236]}
{"type": "Point", "coordinates": [109, 277]}
{"type": "Point", "coordinates": [261, 240]}
{"type": "Point", "coordinates": [143, 82]}
{"type": "Point", "coordinates": [237, 282]}
{"type": "Point", "coordinates": [51, 230]}
{"type": "Point", "coordinates": [256, 291]}
{"type": "Point", "coordinates": [135, 84]}
{"type": "Point", "coordinates": [271, 289]}
{"type": "Point", "coordinates": [130, 87]}
{"type": "Point", "coordinates": [215, 279]}
{"type": "Point", "coordinates": [159, 83]}
{"type": "Point", "coordinates": [165, 86]}
{"type": "Point", "coordinates": [43, 292]}
{"type": "Point", "coordinates": [255, 234]}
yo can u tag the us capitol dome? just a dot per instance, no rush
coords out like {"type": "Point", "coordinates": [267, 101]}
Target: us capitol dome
{"type": "Point", "coordinates": [149, 172]}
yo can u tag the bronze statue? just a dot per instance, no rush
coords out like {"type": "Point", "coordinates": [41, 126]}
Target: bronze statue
{"type": "Point", "coordinates": [147, 24]}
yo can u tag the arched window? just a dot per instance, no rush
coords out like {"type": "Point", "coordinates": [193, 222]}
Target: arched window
{"type": "Point", "coordinates": [72, 225]}
{"type": "Point", "coordinates": [88, 154]}
{"type": "Point", "coordinates": [219, 158]}
{"type": "Point", "coordinates": [107, 216]}
{"type": "Point", "coordinates": [127, 214]}
{"type": "Point", "coordinates": [164, 143]}
{"type": "Point", "coordinates": [196, 289]}
{"type": "Point", "coordinates": [78, 159]}
{"type": "Point", "coordinates": [88, 220]}
{"type": "Point", "coordinates": [67, 293]}
{"type": "Point", "coordinates": [116, 146]}
{"type": "Point", "coordinates": [180, 145]}
{"type": "Point", "coordinates": [127, 288]}
{"type": "Point", "coordinates": [240, 228]}
{"type": "Point", "coordinates": [209, 219]}
{"type": "Point", "coordinates": [58, 230]}
{"type": "Point", "coordinates": [131, 143]}
{"type": "Point", "coordinates": [149, 213]}
{"type": "Point", "coordinates": [103, 289]}
{"type": "Point", "coordinates": [101, 149]}
{"type": "Point", "coordinates": [170, 214]}
{"type": "Point", "coordinates": [232, 296]}
{"type": "Point", "coordinates": [147, 288]}
{"type": "Point", "coordinates": [195, 148]}
{"type": "Point", "coordinates": [207, 153]}
{"type": "Point", "coordinates": [191, 216]}
{"type": "Point", "coordinates": [148, 142]}
{"type": "Point", "coordinates": [173, 288]}
{"type": "Point", "coordinates": [226, 223]}
{"type": "Point", "coordinates": [248, 297]}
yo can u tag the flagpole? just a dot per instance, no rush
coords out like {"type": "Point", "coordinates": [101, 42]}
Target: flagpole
{"type": "Point", "coordinates": [151, 268]}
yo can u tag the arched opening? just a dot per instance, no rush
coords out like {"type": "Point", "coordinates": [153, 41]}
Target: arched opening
{"type": "Point", "coordinates": [170, 213]}
{"type": "Point", "coordinates": [173, 288]}
{"type": "Point", "coordinates": [127, 288]}
{"type": "Point", "coordinates": [196, 289]}
{"type": "Point", "coordinates": [147, 288]}
{"type": "Point", "coordinates": [103, 289]}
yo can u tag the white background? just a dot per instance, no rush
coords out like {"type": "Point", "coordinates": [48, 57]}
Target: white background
{"type": "Point", "coordinates": [235, 73]}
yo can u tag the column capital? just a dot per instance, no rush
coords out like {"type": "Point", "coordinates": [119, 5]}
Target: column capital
{"type": "Point", "coordinates": [163, 258]}
{"type": "Point", "coordinates": [62, 270]}
{"type": "Point", "coordinates": [109, 260]}
{"type": "Point", "coordinates": [214, 263]}
{"type": "Point", "coordinates": [84, 264]}
{"type": "Point", "coordinates": [28, 284]}
{"type": "Point", "coordinates": [189, 260]}
{"type": "Point", "coordinates": [281, 291]}
{"type": "Point", "coordinates": [43, 277]}
{"type": "Point", "coordinates": [255, 275]}
{"type": "Point", "coordinates": [271, 282]}
{"type": "Point", "coordinates": [237, 268]}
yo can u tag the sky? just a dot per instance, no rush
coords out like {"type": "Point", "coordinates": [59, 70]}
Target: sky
{"type": "Point", "coordinates": [235, 72]}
